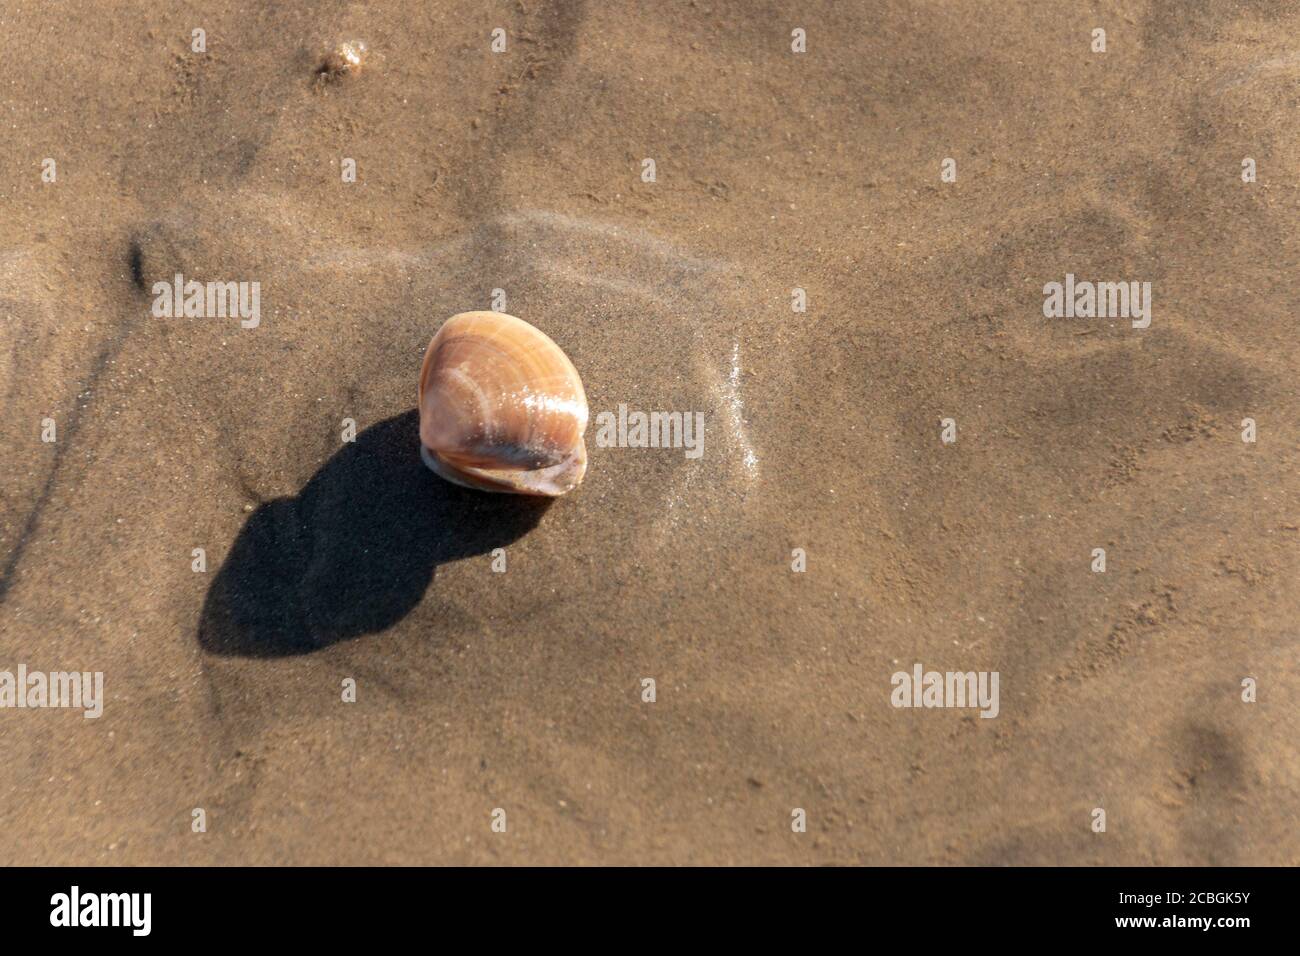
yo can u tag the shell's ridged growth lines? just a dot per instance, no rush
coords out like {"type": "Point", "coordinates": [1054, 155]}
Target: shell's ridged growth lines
{"type": "Point", "coordinates": [501, 407]}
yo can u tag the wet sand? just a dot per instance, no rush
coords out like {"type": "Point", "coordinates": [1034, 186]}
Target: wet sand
{"type": "Point", "coordinates": [522, 171]}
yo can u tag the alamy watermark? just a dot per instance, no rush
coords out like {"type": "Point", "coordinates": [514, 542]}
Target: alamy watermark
{"type": "Point", "coordinates": [637, 429]}
{"type": "Point", "coordinates": [77, 690]}
{"type": "Point", "coordinates": [208, 300]}
{"type": "Point", "coordinates": [1098, 300]}
{"type": "Point", "coordinates": [75, 908]}
{"type": "Point", "coordinates": [923, 688]}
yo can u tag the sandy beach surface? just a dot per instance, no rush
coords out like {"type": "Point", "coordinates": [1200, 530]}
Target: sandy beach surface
{"type": "Point", "coordinates": [524, 171]}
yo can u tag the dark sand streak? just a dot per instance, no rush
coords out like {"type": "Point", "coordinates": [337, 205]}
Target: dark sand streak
{"type": "Point", "coordinates": [61, 447]}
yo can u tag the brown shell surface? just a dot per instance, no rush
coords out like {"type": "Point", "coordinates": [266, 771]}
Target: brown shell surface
{"type": "Point", "coordinates": [501, 407]}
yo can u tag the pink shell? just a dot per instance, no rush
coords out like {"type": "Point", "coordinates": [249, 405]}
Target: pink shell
{"type": "Point", "coordinates": [501, 407]}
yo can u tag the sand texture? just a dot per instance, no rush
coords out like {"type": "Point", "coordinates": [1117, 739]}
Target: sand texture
{"type": "Point", "coordinates": [522, 171]}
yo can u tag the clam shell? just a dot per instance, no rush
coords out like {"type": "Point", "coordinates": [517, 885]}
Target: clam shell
{"type": "Point", "coordinates": [501, 407]}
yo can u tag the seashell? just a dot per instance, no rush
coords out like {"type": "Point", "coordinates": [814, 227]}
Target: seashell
{"type": "Point", "coordinates": [345, 59]}
{"type": "Point", "coordinates": [501, 407]}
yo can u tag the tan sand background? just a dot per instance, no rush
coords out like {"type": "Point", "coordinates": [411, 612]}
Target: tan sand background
{"type": "Point", "coordinates": [521, 171]}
